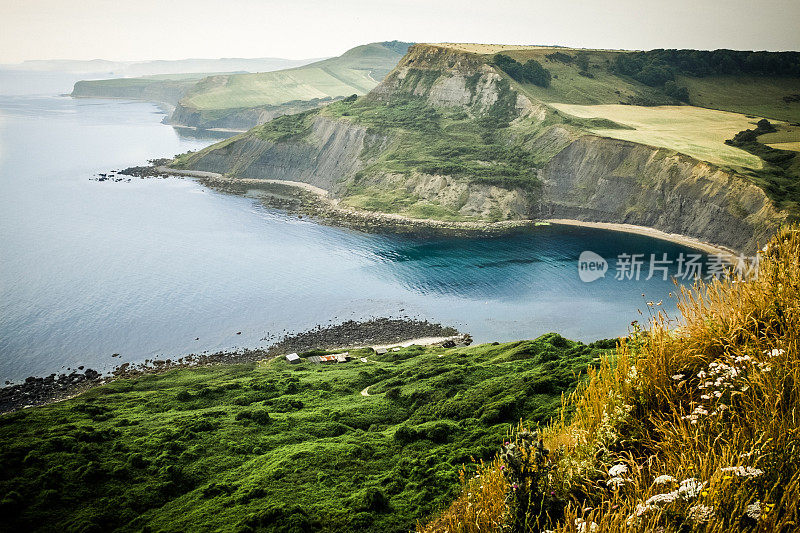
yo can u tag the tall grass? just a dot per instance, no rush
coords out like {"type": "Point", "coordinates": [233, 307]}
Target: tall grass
{"type": "Point", "coordinates": [699, 416]}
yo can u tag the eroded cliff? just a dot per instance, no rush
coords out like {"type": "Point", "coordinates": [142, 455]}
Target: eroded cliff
{"type": "Point", "coordinates": [447, 135]}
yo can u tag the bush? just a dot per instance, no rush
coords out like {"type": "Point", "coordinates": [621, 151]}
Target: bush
{"type": "Point", "coordinates": [531, 72]}
{"type": "Point", "coordinates": [259, 416]}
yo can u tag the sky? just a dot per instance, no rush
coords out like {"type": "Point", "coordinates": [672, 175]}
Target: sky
{"type": "Point", "coordinates": [297, 29]}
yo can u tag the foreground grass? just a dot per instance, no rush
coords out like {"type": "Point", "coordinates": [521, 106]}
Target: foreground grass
{"type": "Point", "coordinates": [278, 447]}
{"type": "Point", "coordinates": [689, 426]}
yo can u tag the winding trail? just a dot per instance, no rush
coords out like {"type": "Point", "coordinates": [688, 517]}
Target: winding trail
{"type": "Point", "coordinates": [365, 392]}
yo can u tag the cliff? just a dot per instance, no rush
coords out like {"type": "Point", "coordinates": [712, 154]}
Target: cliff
{"type": "Point", "coordinates": [448, 135]}
{"type": "Point", "coordinates": [162, 91]}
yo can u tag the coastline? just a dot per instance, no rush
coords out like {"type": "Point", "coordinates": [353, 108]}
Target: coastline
{"type": "Point", "coordinates": [329, 209]}
{"type": "Point", "coordinates": [375, 333]}
{"type": "Point", "coordinates": [677, 238]}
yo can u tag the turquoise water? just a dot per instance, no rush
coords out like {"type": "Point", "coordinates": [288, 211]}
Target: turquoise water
{"type": "Point", "coordinates": [143, 269]}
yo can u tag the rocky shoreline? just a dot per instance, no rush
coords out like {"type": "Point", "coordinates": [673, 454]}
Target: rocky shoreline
{"type": "Point", "coordinates": [36, 391]}
{"type": "Point", "coordinates": [306, 200]}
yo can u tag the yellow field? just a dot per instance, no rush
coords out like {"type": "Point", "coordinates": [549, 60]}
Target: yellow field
{"type": "Point", "coordinates": [479, 48]}
{"type": "Point", "coordinates": [793, 146]}
{"type": "Point", "coordinates": [694, 131]}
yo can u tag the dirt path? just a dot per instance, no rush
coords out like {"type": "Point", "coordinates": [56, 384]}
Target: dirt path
{"type": "Point", "coordinates": [365, 392]}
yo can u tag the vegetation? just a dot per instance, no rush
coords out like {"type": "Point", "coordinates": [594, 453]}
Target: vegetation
{"type": "Point", "coordinates": [689, 426]}
{"type": "Point", "coordinates": [278, 447]}
{"type": "Point", "coordinates": [428, 140]}
{"type": "Point", "coordinates": [658, 68]}
{"type": "Point", "coordinates": [751, 95]}
{"type": "Point", "coordinates": [694, 131]}
{"type": "Point", "coordinates": [356, 71]}
{"type": "Point", "coordinates": [286, 128]}
{"type": "Point", "coordinates": [530, 72]}
{"type": "Point", "coordinates": [780, 177]}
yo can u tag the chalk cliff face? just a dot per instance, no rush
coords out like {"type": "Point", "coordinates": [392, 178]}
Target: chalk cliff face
{"type": "Point", "coordinates": [586, 177]}
{"type": "Point", "coordinates": [330, 153]}
{"type": "Point", "coordinates": [447, 78]}
{"type": "Point", "coordinates": [608, 180]}
{"type": "Point", "coordinates": [239, 119]}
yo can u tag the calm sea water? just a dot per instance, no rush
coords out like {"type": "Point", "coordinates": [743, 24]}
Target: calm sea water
{"type": "Point", "coordinates": [143, 269]}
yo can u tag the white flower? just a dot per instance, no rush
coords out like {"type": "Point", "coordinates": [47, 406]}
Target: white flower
{"type": "Point", "coordinates": [643, 509]}
{"type": "Point", "coordinates": [702, 374]}
{"type": "Point", "coordinates": [774, 353]}
{"type": "Point", "coordinates": [701, 513]}
{"type": "Point", "coordinates": [690, 488]}
{"type": "Point", "coordinates": [753, 510]}
{"type": "Point", "coordinates": [661, 499]}
{"type": "Point", "coordinates": [664, 478]}
{"type": "Point", "coordinates": [676, 377]}
{"type": "Point", "coordinates": [615, 482]}
{"type": "Point", "coordinates": [617, 470]}
{"type": "Point", "coordinates": [743, 471]}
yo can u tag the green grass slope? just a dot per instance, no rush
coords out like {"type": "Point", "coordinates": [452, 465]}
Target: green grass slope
{"type": "Point", "coordinates": [278, 447]}
{"type": "Point", "coordinates": [356, 71]}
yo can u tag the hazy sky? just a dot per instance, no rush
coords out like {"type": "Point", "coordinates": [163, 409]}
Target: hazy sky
{"type": "Point", "coordinates": [175, 29]}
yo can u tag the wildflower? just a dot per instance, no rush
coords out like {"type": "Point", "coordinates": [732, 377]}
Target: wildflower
{"type": "Point", "coordinates": [515, 486]}
{"type": "Point", "coordinates": [643, 509]}
{"type": "Point", "coordinates": [690, 488]}
{"type": "Point", "coordinates": [662, 499]}
{"type": "Point", "coordinates": [665, 478]}
{"type": "Point", "coordinates": [615, 482]}
{"type": "Point", "coordinates": [701, 513]}
{"type": "Point", "coordinates": [742, 471]}
{"type": "Point", "coordinates": [676, 377]}
{"type": "Point", "coordinates": [753, 510]}
{"type": "Point", "coordinates": [617, 470]}
{"type": "Point", "coordinates": [774, 353]}
{"type": "Point", "coordinates": [702, 374]}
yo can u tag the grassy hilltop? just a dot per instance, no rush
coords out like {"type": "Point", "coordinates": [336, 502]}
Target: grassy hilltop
{"type": "Point", "coordinates": [278, 447]}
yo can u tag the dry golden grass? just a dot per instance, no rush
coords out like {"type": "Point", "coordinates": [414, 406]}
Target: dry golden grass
{"type": "Point", "coordinates": [640, 409]}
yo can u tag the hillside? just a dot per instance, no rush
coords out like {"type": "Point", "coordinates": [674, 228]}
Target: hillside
{"type": "Point", "coordinates": [163, 82]}
{"type": "Point", "coordinates": [244, 100]}
{"type": "Point", "coordinates": [452, 134]}
{"type": "Point", "coordinates": [689, 426]}
{"type": "Point", "coordinates": [162, 89]}
{"type": "Point", "coordinates": [355, 446]}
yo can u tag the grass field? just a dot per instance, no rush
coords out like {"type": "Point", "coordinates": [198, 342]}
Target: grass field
{"type": "Point", "coordinates": [357, 71]}
{"type": "Point", "coordinates": [786, 138]}
{"type": "Point", "coordinates": [278, 447]}
{"type": "Point", "coordinates": [762, 97]}
{"type": "Point", "coordinates": [694, 131]}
